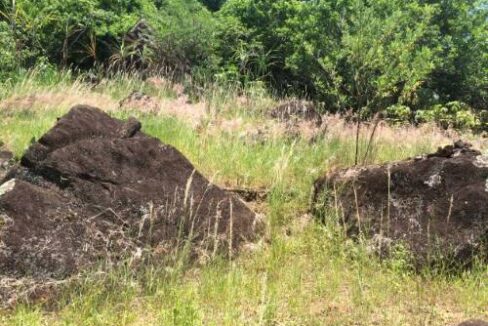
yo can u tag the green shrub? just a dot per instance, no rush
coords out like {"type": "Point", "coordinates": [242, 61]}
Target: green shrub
{"type": "Point", "coordinates": [349, 54]}
{"type": "Point", "coordinates": [213, 5]}
{"type": "Point", "coordinates": [455, 114]}
{"type": "Point", "coordinates": [73, 32]}
{"type": "Point", "coordinates": [186, 39]}
{"type": "Point", "coordinates": [8, 55]}
{"type": "Point", "coordinates": [398, 113]}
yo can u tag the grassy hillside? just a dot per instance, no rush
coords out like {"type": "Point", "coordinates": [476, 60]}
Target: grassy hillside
{"type": "Point", "coordinates": [301, 273]}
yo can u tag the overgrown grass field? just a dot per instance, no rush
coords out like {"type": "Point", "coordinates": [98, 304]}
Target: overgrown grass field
{"type": "Point", "coordinates": [301, 273]}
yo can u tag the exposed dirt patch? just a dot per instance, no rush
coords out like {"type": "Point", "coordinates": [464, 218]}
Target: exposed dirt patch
{"type": "Point", "coordinates": [437, 204]}
{"type": "Point", "coordinates": [97, 190]}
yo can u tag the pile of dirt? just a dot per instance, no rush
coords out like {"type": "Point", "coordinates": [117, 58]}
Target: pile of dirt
{"type": "Point", "coordinates": [436, 205]}
{"type": "Point", "coordinates": [96, 190]}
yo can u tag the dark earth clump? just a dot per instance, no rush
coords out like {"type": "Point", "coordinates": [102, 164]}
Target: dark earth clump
{"type": "Point", "coordinates": [96, 190]}
{"type": "Point", "coordinates": [435, 205]}
{"type": "Point", "coordinates": [295, 110]}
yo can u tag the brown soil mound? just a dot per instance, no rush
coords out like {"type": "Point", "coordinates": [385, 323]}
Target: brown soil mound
{"type": "Point", "coordinates": [96, 189]}
{"type": "Point", "coordinates": [437, 205]}
{"type": "Point", "coordinates": [294, 111]}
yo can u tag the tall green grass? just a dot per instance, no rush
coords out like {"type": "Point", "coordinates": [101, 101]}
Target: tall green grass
{"type": "Point", "coordinates": [301, 273]}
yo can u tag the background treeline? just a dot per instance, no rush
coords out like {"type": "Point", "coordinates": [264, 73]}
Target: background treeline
{"type": "Point", "coordinates": [414, 60]}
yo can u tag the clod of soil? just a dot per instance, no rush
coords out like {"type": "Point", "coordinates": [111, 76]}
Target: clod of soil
{"type": "Point", "coordinates": [295, 110]}
{"type": "Point", "coordinates": [435, 205]}
{"type": "Point", "coordinates": [97, 190]}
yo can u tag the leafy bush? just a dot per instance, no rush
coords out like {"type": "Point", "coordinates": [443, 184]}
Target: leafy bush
{"type": "Point", "coordinates": [8, 55]}
{"type": "Point", "coordinates": [455, 114]}
{"type": "Point", "coordinates": [398, 113]}
{"type": "Point", "coordinates": [213, 5]}
{"type": "Point", "coordinates": [186, 39]}
{"type": "Point", "coordinates": [263, 40]}
{"type": "Point", "coordinates": [73, 32]}
{"type": "Point", "coordinates": [350, 54]}
{"type": "Point", "coordinates": [87, 33]}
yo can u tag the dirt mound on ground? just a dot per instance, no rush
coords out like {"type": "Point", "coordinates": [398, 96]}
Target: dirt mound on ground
{"type": "Point", "coordinates": [436, 205]}
{"type": "Point", "coordinates": [96, 189]}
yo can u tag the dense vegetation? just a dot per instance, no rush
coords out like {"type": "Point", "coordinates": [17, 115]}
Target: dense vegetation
{"type": "Point", "coordinates": [415, 60]}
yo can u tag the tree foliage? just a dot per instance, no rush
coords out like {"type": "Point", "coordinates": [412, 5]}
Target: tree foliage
{"type": "Point", "coordinates": [349, 54]}
{"type": "Point", "coordinates": [8, 61]}
{"type": "Point", "coordinates": [213, 5]}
